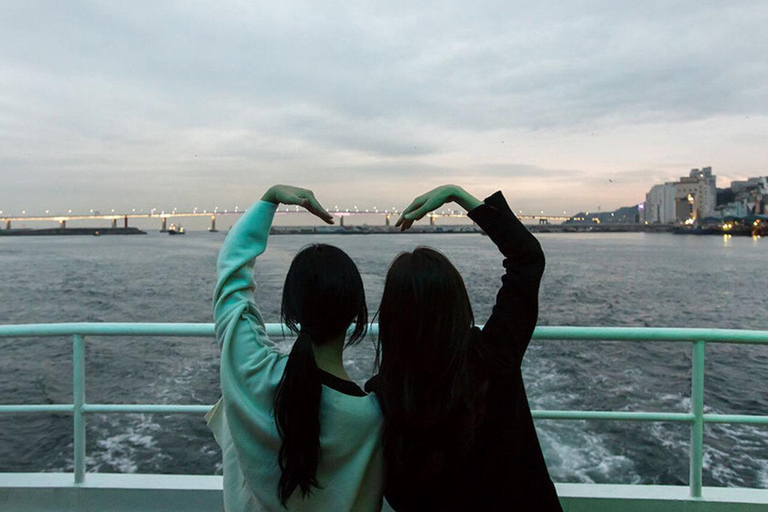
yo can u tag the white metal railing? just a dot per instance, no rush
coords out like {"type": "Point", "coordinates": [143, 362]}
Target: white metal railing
{"type": "Point", "coordinates": [695, 417]}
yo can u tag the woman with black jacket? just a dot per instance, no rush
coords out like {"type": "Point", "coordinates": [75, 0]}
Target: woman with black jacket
{"type": "Point", "coordinates": [458, 428]}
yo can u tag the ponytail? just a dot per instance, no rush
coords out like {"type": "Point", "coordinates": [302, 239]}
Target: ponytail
{"type": "Point", "coordinates": [297, 414]}
{"type": "Point", "coordinates": [322, 296]}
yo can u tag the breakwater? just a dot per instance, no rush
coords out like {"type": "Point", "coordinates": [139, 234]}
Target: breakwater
{"type": "Point", "coordinates": [72, 231]}
{"type": "Point", "coordinates": [468, 229]}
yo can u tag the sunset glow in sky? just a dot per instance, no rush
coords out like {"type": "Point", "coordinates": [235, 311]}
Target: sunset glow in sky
{"type": "Point", "coordinates": [565, 106]}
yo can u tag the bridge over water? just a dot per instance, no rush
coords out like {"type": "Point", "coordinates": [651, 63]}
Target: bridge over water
{"type": "Point", "coordinates": [163, 216]}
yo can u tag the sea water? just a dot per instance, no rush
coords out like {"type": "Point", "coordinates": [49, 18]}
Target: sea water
{"type": "Point", "coordinates": [591, 279]}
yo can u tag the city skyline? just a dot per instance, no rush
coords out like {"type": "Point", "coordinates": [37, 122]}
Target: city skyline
{"type": "Point", "coordinates": [563, 107]}
{"type": "Point", "coordinates": [340, 209]}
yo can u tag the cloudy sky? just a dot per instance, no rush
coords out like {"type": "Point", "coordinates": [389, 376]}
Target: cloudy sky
{"type": "Point", "coordinates": [565, 105]}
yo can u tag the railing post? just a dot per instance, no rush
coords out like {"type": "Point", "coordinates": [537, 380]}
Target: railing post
{"type": "Point", "coordinates": [78, 399]}
{"type": "Point", "coordinates": [697, 408]}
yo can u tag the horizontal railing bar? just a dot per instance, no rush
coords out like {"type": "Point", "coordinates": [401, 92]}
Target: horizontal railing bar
{"type": "Point", "coordinates": [538, 414]}
{"type": "Point", "coordinates": [146, 408]}
{"type": "Point", "coordinates": [36, 409]}
{"type": "Point", "coordinates": [745, 419]}
{"type": "Point", "coordinates": [541, 414]}
{"type": "Point", "coordinates": [673, 334]}
{"type": "Point", "coordinates": [107, 329]}
{"type": "Point", "coordinates": [613, 415]}
{"type": "Point", "coordinates": [667, 334]}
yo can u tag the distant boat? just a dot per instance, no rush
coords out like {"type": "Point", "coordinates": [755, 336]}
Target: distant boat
{"type": "Point", "coordinates": [173, 230]}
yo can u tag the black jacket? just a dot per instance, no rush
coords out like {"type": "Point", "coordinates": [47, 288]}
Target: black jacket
{"type": "Point", "coordinates": [505, 468]}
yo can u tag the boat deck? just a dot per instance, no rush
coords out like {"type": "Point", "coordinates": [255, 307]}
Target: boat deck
{"type": "Point", "coordinates": [45, 492]}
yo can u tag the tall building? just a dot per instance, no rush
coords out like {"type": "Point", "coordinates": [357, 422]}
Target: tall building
{"type": "Point", "coordinates": [660, 204]}
{"type": "Point", "coordinates": [693, 197]}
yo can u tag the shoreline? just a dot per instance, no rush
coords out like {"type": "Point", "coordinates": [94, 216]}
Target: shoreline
{"type": "Point", "coordinates": [391, 230]}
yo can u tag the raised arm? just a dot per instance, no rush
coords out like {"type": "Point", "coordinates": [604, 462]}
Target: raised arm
{"type": "Point", "coordinates": [246, 241]}
{"type": "Point", "coordinates": [251, 367]}
{"type": "Point", "coordinates": [433, 200]}
{"type": "Point", "coordinates": [514, 315]}
{"type": "Point", "coordinates": [515, 312]}
{"type": "Point", "coordinates": [233, 295]}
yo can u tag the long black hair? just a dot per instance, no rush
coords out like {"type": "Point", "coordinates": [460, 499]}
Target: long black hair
{"type": "Point", "coordinates": [322, 296]}
{"type": "Point", "coordinates": [425, 373]}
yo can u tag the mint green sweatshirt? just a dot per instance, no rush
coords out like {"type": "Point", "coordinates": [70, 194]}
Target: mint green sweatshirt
{"type": "Point", "coordinates": [351, 460]}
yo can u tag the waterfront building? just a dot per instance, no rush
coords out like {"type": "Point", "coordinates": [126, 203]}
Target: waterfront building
{"type": "Point", "coordinates": [695, 196]}
{"type": "Point", "coordinates": [741, 187]}
{"type": "Point", "coordinates": [692, 197]}
{"type": "Point", "coordinates": [733, 209]}
{"type": "Point", "coordinates": [660, 204]}
{"type": "Point", "coordinates": [743, 198]}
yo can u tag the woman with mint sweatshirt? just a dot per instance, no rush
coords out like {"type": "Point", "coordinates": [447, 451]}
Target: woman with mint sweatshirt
{"type": "Point", "coordinates": [295, 432]}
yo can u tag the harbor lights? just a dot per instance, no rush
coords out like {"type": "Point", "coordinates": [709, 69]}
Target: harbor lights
{"type": "Point", "coordinates": [236, 208]}
{"type": "Point", "coordinates": [46, 211]}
